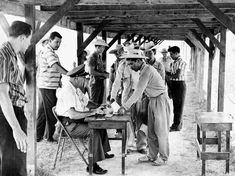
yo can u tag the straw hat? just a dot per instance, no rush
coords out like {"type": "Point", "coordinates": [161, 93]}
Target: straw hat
{"type": "Point", "coordinates": [134, 53]}
{"type": "Point", "coordinates": [118, 48]}
{"type": "Point", "coordinates": [150, 45]}
{"type": "Point", "coordinates": [164, 50]}
{"type": "Point", "coordinates": [100, 42]}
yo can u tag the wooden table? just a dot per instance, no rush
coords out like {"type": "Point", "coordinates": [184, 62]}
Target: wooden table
{"type": "Point", "coordinates": [218, 122]}
{"type": "Point", "coordinates": [114, 122]}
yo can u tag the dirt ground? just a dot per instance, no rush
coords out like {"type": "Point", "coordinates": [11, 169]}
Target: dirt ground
{"type": "Point", "coordinates": [182, 161]}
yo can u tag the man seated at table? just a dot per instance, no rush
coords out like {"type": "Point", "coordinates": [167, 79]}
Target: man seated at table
{"type": "Point", "coordinates": [73, 105]}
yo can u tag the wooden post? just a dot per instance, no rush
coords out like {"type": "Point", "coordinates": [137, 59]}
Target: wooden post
{"type": "Point", "coordinates": [30, 109]}
{"type": "Point", "coordinates": [220, 105]}
{"type": "Point", "coordinates": [104, 56]}
{"type": "Point", "coordinates": [79, 27]}
{"type": "Point", "coordinates": [209, 78]}
{"type": "Point", "coordinates": [120, 40]}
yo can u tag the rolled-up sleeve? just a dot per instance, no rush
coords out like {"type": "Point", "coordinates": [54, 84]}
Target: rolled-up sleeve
{"type": "Point", "coordinates": [141, 86]}
{"type": "Point", "coordinates": [51, 57]}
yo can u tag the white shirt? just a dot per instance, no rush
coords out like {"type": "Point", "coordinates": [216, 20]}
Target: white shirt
{"type": "Point", "coordinates": [70, 97]}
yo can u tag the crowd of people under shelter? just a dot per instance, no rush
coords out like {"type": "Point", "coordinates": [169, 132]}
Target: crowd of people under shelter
{"type": "Point", "coordinates": [139, 83]}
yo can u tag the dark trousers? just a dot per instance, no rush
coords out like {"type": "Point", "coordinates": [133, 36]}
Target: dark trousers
{"type": "Point", "coordinates": [12, 160]}
{"type": "Point", "coordinates": [101, 142]}
{"type": "Point", "coordinates": [45, 117]}
{"type": "Point", "coordinates": [97, 90]}
{"type": "Point", "coordinates": [178, 92]}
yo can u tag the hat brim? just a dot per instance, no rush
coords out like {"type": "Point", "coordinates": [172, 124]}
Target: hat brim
{"type": "Point", "coordinates": [125, 56]}
{"type": "Point", "coordinates": [101, 44]}
{"type": "Point", "coordinates": [113, 51]}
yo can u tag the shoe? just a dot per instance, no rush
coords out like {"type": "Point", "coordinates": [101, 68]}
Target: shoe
{"type": "Point", "coordinates": [159, 162]}
{"type": "Point", "coordinates": [108, 156]}
{"type": "Point", "coordinates": [97, 170]}
{"type": "Point", "coordinates": [145, 159]}
{"type": "Point", "coordinates": [142, 151]}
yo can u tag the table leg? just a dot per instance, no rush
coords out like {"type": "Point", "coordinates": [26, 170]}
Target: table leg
{"type": "Point", "coordinates": [91, 152]}
{"type": "Point", "coordinates": [203, 150]}
{"type": "Point", "coordinates": [219, 141]}
{"type": "Point", "coordinates": [227, 150]}
{"type": "Point", "coordinates": [123, 149]}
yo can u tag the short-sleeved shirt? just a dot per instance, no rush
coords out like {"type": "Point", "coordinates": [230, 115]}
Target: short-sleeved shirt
{"type": "Point", "coordinates": [70, 97]}
{"type": "Point", "coordinates": [95, 60]}
{"type": "Point", "coordinates": [177, 69]}
{"type": "Point", "coordinates": [48, 77]}
{"type": "Point", "coordinates": [10, 73]}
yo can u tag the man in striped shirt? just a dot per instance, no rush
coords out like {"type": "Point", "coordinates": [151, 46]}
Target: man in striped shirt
{"type": "Point", "coordinates": [177, 86]}
{"type": "Point", "coordinates": [13, 123]}
{"type": "Point", "coordinates": [49, 76]}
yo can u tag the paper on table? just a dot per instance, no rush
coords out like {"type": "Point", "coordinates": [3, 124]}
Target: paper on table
{"type": "Point", "coordinates": [115, 107]}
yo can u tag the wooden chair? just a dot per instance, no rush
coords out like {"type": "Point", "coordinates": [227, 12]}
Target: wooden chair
{"type": "Point", "coordinates": [64, 134]}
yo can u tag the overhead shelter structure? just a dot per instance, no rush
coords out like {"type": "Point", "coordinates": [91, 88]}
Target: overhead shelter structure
{"type": "Point", "coordinates": [191, 21]}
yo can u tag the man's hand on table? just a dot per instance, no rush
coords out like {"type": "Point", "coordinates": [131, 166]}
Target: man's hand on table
{"type": "Point", "coordinates": [121, 110]}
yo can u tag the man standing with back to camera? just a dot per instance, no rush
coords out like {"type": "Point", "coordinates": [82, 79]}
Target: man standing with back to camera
{"type": "Point", "coordinates": [13, 123]}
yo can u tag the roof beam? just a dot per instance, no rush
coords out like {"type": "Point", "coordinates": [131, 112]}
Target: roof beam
{"type": "Point", "coordinates": [190, 44]}
{"type": "Point", "coordinates": [130, 37]}
{"type": "Point", "coordinates": [114, 2]}
{"type": "Point", "coordinates": [69, 4]}
{"type": "Point", "coordinates": [220, 16]}
{"type": "Point", "coordinates": [91, 37]}
{"type": "Point", "coordinates": [115, 39]}
{"type": "Point", "coordinates": [210, 35]}
{"type": "Point", "coordinates": [197, 36]}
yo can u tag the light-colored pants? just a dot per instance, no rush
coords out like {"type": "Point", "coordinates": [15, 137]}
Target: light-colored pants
{"type": "Point", "coordinates": [158, 126]}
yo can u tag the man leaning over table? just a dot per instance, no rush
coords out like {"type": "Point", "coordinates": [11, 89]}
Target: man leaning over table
{"type": "Point", "coordinates": [72, 105]}
{"type": "Point", "coordinates": [152, 84]}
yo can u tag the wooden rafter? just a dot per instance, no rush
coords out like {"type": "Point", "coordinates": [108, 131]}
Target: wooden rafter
{"type": "Point", "coordinates": [209, 34]}
{"type": "Point", "coordinates": [91, 37]}
{"type": "Point", "coordinates": [220, 16]}
{"type": "Point", "coordinates": [190, 44]}
{"type": "Point", "coordinates": [197, 36]}
{"type": "Point", "coordinates": [115, 39]}
{"type": "Point", "coordinates": [69, 4]}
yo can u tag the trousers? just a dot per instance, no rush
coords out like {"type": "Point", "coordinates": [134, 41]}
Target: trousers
{"type": "Point", "coordinates": [12, 160]}
{"type": "Point", "coordinates": [158, 126]}
{"type": "Point", "coordinates": [45, 117]}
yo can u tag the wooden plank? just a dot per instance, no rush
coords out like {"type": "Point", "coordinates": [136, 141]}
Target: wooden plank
{"type": "Point", "coordinates": [79, 40]}
{"type": "Point", "coordinates": [220, 105]}
{"type": "Point", "coordinates": [209, 34]}
{"type": "Point", "coordinates": [115, 39]}
{"type": "Point", "coordinates": [220, 16]}
{"type": "Point", "coordinates": [4, 23]}
{"type": "Point", "coordinates": [190, 44]}
{"type": "Point", "coordinates": [198, 148]}
{"type": "Point", "coordinates": [115, 2]}
{"type": "Point", "coordinates": [69, 4]}
{"type": "Point", "coordinates": [196, 35]}
{"type": "Point", "coordinates": [209, 141]}
{"type": "Point", "coordinates": [91, 37]}
{"type": "Point", "coordinates": [209, 77]}
{"type": "Point", "coordinates": [215, 155]}
{"type": "Point", "coordinates": [30, 108]}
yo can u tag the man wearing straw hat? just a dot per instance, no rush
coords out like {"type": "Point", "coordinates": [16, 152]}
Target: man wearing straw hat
{"type": "Point", "coordinates": [97, 72]}
{"type": "Point", "coordinates": [151, 83]}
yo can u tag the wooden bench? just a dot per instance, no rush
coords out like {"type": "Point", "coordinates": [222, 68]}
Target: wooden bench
{"type": "Point", "coordinates": [218, 122]}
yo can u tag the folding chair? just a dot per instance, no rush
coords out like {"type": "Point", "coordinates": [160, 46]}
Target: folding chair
{"type": "Point", "coordinates": [64, 134]}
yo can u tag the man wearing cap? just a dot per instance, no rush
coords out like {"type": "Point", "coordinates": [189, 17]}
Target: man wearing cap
{"type": "Point", "coordinates": [97, 72]}
{"type": "Point", "coordinates": [151, 83]}
{"type": "Point", "coordinates": [128, 79]}
{"type": "Point", "coordinates": [72, 105]}
{"type": "Point", "coordinates": [118, 51]}
{"type": "Point", "coordinates": [166, 61]}
{"type": "Point", "coordinates": [49, 76]}
{"type": "Point", "coordinates": [177, 87]}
